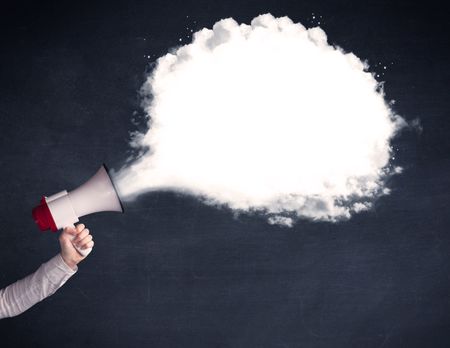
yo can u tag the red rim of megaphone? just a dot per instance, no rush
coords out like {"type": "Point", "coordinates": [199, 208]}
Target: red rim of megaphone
{"type": "Point", "coordinates": [43, 217]}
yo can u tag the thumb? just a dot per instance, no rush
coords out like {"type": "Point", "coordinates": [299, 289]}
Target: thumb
{"type": "Point", "coordinates": [68, 234]}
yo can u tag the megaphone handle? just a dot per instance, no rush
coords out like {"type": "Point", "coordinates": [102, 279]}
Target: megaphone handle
{"type": "Point", "coordinates": [82, 252]}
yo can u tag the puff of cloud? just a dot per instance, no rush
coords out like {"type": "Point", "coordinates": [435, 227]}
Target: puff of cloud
{"type": "Point", "coordinates": [267, 118]}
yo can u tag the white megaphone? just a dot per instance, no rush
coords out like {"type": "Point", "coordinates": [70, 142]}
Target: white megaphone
{"type": "Point", "coordinates": [65, 208]}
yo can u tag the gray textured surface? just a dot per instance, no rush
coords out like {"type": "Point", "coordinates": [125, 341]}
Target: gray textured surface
{"type": "Point", "coordinates": [172, 272]}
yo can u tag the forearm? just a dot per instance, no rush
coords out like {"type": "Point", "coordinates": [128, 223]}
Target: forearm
{"type": "Point", "coordinates": [23, 294]}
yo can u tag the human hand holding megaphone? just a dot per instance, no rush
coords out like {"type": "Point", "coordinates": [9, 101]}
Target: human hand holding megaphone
{"type": "Point", "coordinates": [76, 243]}
{"type": "Point", "coordinates": [63, 209]}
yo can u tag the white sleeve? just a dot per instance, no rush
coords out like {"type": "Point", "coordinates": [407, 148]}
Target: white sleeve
{"type": "Point", "coordinates": [18, 297]}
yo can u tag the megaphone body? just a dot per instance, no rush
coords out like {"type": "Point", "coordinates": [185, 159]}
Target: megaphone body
{"type": "Point", "coordinates": [65, 208]}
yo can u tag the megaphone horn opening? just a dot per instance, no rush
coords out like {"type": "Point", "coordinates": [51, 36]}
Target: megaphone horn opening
{"type": "Point", "coordinates": [114, 187]}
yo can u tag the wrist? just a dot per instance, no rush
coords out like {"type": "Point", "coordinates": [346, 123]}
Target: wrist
{"type": "Point", "coordinates": [69, 262]}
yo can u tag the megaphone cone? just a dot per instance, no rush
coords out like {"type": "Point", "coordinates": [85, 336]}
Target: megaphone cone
{"type": "Point", "coordinates": [65, 208]}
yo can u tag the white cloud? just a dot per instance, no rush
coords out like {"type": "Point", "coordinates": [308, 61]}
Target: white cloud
{"type": "Point", "coordinates": [265, 117]}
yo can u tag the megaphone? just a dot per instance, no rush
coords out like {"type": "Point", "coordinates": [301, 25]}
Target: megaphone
{"type": "Point", "coordinates": [65, 208]}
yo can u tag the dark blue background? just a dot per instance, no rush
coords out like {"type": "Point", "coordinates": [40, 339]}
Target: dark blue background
{"type": "Point", "coordinates": [173, 272]}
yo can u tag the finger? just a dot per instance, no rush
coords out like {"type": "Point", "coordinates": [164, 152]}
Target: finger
{"type": "Point", "coordinates": [81, 235]}
{"type": "Point", "coordinates": [84, 241]}
{"type": "Point", "coordinates": [84, 252]}
{"type": "Point", "coordinates": [67, 234]}
{"type": "Point", "coordinates": [80, 227]}
{"type": "Point", "coordinates": [89, 245]}
{"type": "Point", "coordinates": [69, 230]}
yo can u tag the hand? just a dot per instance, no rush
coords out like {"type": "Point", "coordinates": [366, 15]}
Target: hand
{"type": "Point", "coordinates": [71, 236]}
